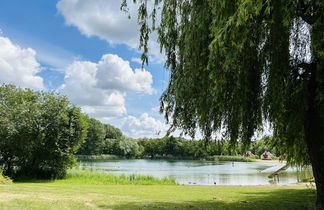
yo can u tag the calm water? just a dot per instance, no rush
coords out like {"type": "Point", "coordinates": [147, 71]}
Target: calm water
{"type": "Point", "coordinates": [201, 172]}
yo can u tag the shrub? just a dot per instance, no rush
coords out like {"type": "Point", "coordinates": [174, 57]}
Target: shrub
{"type": "Point", "coordinates": [39, 133]}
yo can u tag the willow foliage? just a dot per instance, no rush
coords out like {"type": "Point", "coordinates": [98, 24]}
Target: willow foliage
{"type": "Point", "coordinates": [237, 64]}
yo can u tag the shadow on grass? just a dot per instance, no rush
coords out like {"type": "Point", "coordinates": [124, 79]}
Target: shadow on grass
{"type": "Point", "coordinates": [28, 180]}
{"type": "Point", "coordinates": [274, 200]}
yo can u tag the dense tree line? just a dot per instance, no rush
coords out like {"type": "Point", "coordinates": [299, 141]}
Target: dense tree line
{"type": "Point", "coordinates": [98, 136]}
{"type": "Point", "coordinates": [177, 147]}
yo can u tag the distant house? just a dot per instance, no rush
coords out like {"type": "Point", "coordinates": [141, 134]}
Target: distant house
{"type": "Point", "coordinates": [266, 155]}
{"type": "Point", "coordinates": [248, 154]}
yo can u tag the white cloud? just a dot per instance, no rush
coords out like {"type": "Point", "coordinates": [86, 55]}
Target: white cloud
{"type": "Point", "coordinates": [19, 65]}
{"type": "Point", "coordinates": [100, 88]}
{"type": "Point", "coordinates": [107, 111]}
{"type": "Point", "coordinates": [100, 18]}
{"type": "Point", "coordinates": [137, 60]}
{"type": "Point", "coordinates": [104, 19]}
{"type": "Point", "coordinates": [116, 73]}
{"type": "Point", "coordinates": [144, 126]}
{"type": "Point", "coordinates": [55, 57]}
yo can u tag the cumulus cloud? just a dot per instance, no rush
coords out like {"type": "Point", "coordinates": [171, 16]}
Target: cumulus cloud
{"type": "Point", "coordinates": [104, 19]}
{"type": "Point", "coordinates": [101, 18]}
{"type": "Point", "coordinates": [144, 126]}
{"type": "Point", "coordinates": [100, 88]}
{"type": "Point", "coordinates": [19, 65]}
{"type": "Point", "coordinates": [115, 73]}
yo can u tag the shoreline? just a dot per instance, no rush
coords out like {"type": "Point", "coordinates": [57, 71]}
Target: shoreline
{"type": "Point", "coordinates": [173, 158]}
{"type": "Point", "coordinates": [270, 161]}
{"type": "Point", "coordinates": [306, 184]}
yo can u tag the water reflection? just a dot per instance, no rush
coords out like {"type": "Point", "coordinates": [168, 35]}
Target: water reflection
{"type": "Point", "coordinates": [203, 172]}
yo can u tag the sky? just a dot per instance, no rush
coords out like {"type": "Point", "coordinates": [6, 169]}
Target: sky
{"type": "Point", "coordinates": [88, 51]}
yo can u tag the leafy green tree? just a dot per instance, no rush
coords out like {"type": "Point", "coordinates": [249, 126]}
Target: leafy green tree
{"type": "Point", "coordinates": [110, 142]}
{"type": "Point", "coordinates": [112, 132]}
{"type": "Point", "coordinates": [152, 147]}
{"type": "Point", "coordinates": [128, 147]}
{"type": "Point", "coordinates": [18, 111]}
{"type": "Point", "coordinates": [266, 144]}
{"type": "Point", "coordinates": [94, 142]}
{"type": "Point", "coordinates": [39, 133]}
{"type": "Point", "coordinates": [170, 144]}
{"type": "Point", "coordinates": [236, 64]}
{"type": "Point", "coordinates": [111, 147]}
{"type": "Point", "coordinates": [259, 147]}
{"type": "Point", "coordinates": [101, 139]}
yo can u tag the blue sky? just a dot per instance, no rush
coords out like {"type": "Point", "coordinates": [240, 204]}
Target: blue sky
{"type": "Point", "coordinates": [87, 50]}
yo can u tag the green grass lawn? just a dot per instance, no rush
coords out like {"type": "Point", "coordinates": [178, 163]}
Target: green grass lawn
{"type": "Point", "coordinates": [58, 195]}
{"type": "Point", "coordinates": [84, 189]}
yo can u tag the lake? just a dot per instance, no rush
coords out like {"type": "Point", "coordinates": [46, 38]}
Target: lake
{"type": "Point", "coordinates": [195, 172]}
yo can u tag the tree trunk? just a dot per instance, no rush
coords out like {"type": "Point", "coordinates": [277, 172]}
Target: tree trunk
{"type": "Point", "coordinates": [314, 131]}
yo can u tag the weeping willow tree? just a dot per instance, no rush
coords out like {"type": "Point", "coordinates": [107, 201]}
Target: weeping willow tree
{"type": "Point", "coordinates": [237, 64]}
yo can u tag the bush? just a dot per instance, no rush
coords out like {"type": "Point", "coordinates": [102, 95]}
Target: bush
{"type": "Point", "coordinates": [39, 133]}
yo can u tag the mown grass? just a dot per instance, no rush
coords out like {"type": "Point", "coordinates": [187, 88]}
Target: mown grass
{"type": "Point", "coordinates": [76, 176]}
{"type": "Point", "coordinates": [84, 189]}
{"type": "Point", "coordinates": [58, 195]}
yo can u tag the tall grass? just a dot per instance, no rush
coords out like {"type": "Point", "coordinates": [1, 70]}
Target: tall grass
{"type": "Point", "coordinates": [97, 157]}
{"type": "Point", "coordinates": [80, 176]}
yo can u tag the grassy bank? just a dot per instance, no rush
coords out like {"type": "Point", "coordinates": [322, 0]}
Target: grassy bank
{"type": "Point", "coordinates": [96, 177]}
{"type": "Point", "coordinates": [59, 195]}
